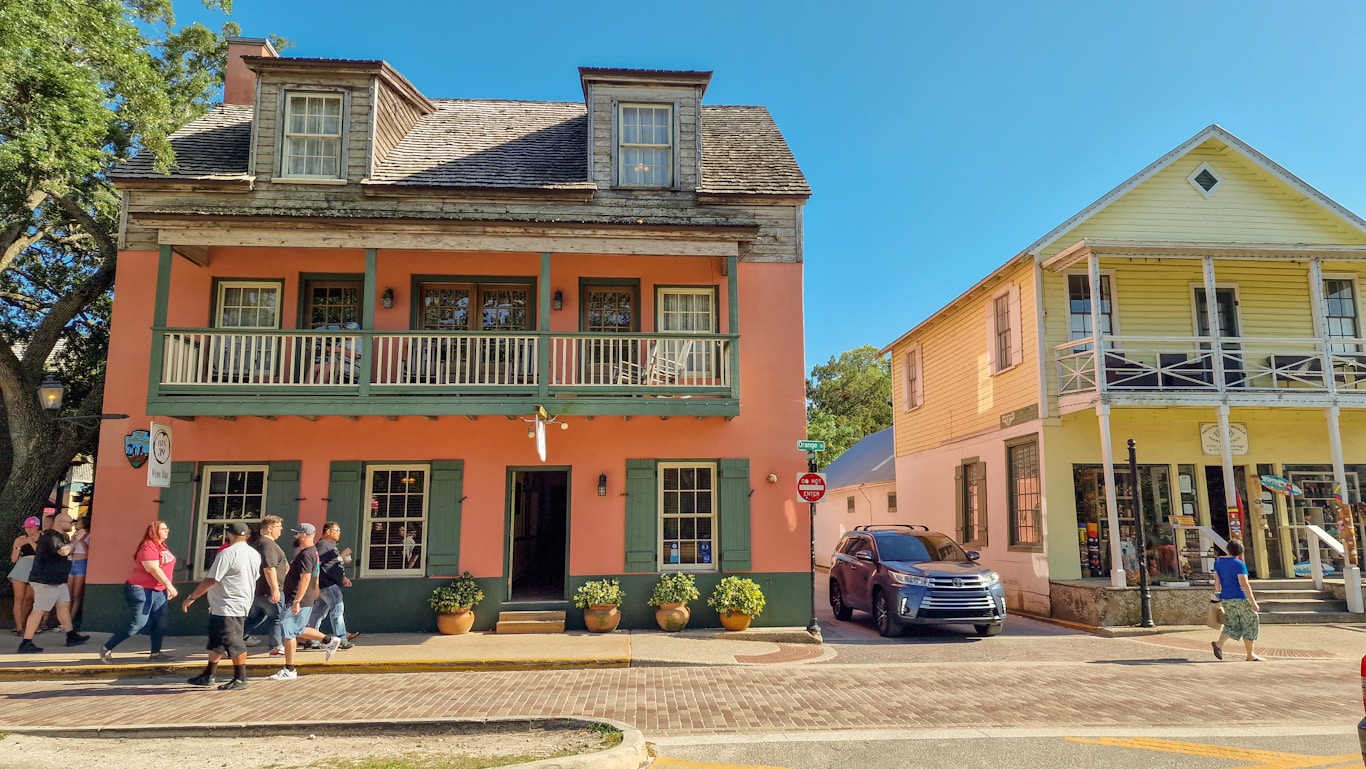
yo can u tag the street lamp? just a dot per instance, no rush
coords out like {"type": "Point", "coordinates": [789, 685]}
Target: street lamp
{"type": "Point", "coordinates": [1145, 601]}
{"type": "Point", "coordinates": [50, 394]}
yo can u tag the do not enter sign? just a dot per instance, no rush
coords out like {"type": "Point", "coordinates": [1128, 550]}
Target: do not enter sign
{"type": "Point", "coordinates": [811, 487]}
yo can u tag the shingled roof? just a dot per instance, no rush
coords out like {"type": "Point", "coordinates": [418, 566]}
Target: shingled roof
{"type": "Point", "coordinates": [501, 144]}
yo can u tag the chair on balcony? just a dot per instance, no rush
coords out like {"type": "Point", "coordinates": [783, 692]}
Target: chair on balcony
{"type": "Point", "coordinates": [338, 359]}
{"type": "Point", "coordinates": [1124, 374]}
{"type": "Point", "coordinates": [664, 365]}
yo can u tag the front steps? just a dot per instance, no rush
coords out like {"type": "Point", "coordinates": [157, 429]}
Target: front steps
{"type": "Point", "coordinates": [1296, 602]}
{"type": "Point", "coordinates": [530, 622]}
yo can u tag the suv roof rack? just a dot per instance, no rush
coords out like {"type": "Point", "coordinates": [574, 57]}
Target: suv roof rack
{"type": "Point", "coordinates": [875, 526]}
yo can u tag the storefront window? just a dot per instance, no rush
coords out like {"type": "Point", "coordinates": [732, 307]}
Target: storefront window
{"type": "Point", "coordinates": [1093, 527]}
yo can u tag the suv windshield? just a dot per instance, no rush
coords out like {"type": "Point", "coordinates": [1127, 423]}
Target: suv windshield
{"type": "Point", "coordinates": [919, 547]}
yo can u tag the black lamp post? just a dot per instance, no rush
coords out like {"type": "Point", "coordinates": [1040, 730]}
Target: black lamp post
{"type": "Point", "coordinates": [1145, 599]}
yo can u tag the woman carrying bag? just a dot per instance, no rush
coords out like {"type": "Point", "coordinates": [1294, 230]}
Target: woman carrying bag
{"type": "Point", "coordinates": [1239, 605]}
{"type": "Point", "coordinates": [147, 591]}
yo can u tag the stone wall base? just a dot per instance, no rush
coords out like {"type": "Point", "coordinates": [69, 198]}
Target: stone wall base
{"type": "Point", "coordinates": [1097, 604]}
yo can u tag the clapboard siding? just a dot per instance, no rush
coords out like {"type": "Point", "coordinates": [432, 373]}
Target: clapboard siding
{"type": "Point", "coordinates": [270, 111]}
{"type": "Point", "coordinates": [687, 109]}
{"type": "Point", "coordinates": [394, 117]}
{"type": "Point", "coordinates": [960, 396]}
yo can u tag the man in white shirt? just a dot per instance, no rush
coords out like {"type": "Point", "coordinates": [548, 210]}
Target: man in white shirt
{"type": "Point", "coordinates": [231, 585]}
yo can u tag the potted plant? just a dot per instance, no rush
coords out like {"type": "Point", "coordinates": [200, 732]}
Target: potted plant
{"type": "Point", "coordinates": [671, 596]}
{"type": "Point", "coordinates": [599, 599]}
{"type": "Point", "coordinates": [738, 600]}
{"type": "Point", "coordinates": [454, 604]}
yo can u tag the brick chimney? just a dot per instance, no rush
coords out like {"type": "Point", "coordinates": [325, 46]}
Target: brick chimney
{"type": "Point", "coordinates": [239, 83]}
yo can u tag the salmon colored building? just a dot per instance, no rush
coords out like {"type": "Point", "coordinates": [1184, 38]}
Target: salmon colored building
{"type": "Point", "coordinates": [351, 302]}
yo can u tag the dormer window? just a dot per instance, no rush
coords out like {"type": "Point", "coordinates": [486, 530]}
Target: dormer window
{"type": "Point", "coordinates": [313, 136]}
{"type": "Point", "coordinates": [645, 145]}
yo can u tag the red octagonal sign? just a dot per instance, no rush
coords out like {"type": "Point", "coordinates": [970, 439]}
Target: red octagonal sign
{"type": "Point", "coordinates": [811, 487]}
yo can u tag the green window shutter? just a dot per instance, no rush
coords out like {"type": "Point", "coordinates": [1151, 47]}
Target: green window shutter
{"type": "Point", "coordinates": [443, 517]}
{"type": "Point", "coordinates": [178, 513]}
{"type": "Point", "coordinates": [642, 516]}
{"type": "Point", "coordinates": [344, 483]}
{"type": "Point", "coordinates": [282, 493]}
{"type": "Point", "coordinates": [734, 505]}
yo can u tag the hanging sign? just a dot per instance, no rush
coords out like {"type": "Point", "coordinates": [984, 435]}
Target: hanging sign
{"type": "Point", "coordinates": [136, 446]}
{"type": "Point", "coordinates": [159, 456]}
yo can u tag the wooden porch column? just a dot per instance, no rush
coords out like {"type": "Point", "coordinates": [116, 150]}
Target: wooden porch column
{"type": "Point", "coordinates": [733, 322]}
{"type": "Point", "coordinates": [1318, 307]}
{"type": "Point", "coordinates": [1216, 343]}
{"type": "Point", "coordinates": [159, 310]}
{"type": "Point", "coordinates": [1230, 489]}
{"type": "Point", "coordinates": [1093, 279]}
{"type": "Point", "coordinates": [543, 325]}
{"type": "Point", "coordinates": [1351, 571]}
{"type": "Point", "coordinates": [1117, 576]}
{"type": "Point", "coordinates": [367, 321]}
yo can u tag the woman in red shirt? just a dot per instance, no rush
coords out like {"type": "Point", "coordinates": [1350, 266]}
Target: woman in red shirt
{"type": "Point", "coordinates": [147, 591]}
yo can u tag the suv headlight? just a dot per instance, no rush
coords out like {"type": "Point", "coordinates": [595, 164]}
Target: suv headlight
{"type": "Point", "coordinates": [990, 578]}
{"type": "Point", "coordinates": [909, 579]}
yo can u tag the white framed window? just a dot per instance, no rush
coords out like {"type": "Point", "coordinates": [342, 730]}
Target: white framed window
{"type": "Point", "coordinates": [228, 493]}
{"type": "Point", "coordinates": [247, 304]}
{"type": "Point", "coordinates": [312, 142]}
{"type": "Point", "coordinates": [913, 381]}
{"type": "Point", "coordinates": [396, 520]}
{"type": "Point", "coordinates": [687, 513]}
{"type": "Point", "coordinates": [1079, 321]}
{"type": "Point", "coordinates": [689, 311]}
{"type": "Point", "coordinates": [1340, 317]}
{"type": "Point", "coordinates": [247, 356]}
{"type": "Point", "coordinates": [1005, 348]}
{"type": "Point", "coordinates": [645, 145]}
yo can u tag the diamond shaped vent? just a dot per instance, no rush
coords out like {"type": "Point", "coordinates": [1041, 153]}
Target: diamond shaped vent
{"type": "Point", "coordinates": [1206, 180]}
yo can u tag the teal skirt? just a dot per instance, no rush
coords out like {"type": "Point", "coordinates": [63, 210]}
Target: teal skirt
{"type": "Point", "coordinates": [1240, 621]}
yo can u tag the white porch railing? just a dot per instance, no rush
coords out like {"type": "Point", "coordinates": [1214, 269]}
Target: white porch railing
{"type": "Point", "coordinates": [1190, 364]}
{"type": "Point", "coordinates": [445, 361]}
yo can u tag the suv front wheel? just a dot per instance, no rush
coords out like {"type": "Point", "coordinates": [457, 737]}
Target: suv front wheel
{"type": "Point", "coordinates": [887, 623]}
{"type": "Point", "coordinates": [986, 631]}
{"type": "Point", "coordinates": [837, 604]}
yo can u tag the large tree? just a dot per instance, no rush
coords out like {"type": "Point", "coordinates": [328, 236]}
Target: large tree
{"type": "Point", "coordinates": [848, 399]}
{"type": "Point", "coordinates": [84, 85]}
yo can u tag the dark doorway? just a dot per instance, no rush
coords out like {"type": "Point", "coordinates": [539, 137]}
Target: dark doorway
{"type": "Point", "coordinates": [537, 534]}
{"type": "Point", "coordinates": [1218, 510]}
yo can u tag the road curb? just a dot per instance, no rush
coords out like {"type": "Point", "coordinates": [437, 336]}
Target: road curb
{"type": "Point", "coordinates": [98, 671]}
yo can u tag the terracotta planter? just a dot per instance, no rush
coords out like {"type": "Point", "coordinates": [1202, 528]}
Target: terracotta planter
{"type": "Point", "coordinates": [672, 617]}
{"type": "Point", "coordinates": [601, 618]}
{"type": "Point", "coordinates": [458, 623]}
{"type": "Point", "coordinates": [735, 620]}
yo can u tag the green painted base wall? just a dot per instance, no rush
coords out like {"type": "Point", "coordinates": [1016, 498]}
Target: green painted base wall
{"type": "Point", "coordinates": [400, 605]}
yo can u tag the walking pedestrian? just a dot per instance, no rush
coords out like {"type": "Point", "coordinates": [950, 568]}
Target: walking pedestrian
{"type": "Point", "coordinates": [80, 554]}
{"type": "Point", "coordinates": [1240, 606]}
{"type": "Point", "coordinates": [21, 555]}
{"type": "Point", "coordinates": [147, 591]}
{"type": "Point", "coordinates": [300, 589]}
{"type": "Point", "coordinates": [51, 567]}
{"type": "Point", "coordinates": [230, 584]}
{"type": "Point", "coordinates": [268, 606]}
{"type": "Point", "coordinates": [331, 579]}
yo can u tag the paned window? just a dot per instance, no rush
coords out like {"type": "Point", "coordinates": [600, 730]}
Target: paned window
{"type": "Point", "coordinates": [1079, 325]}
{"type": "Point", "coordinates": [230, 493]}
{"type": "Point", "coordinates": [313, 135]}
{"type": "Point", "coordinates": [645, 146]}
{"type": "Point", "coordinates": [1022, 459]}
{"type": "Point", "coordinates": [476, 307]}
{"type": "Point", "coordinates": [609, 309]}
{"type": "Point", "coordinates": [396, 519]}
{"type": "Point", "coordinates": [914, 393]}
{"type": "Point", "coordinates": [848, 504]}
{"type": "Point", "coordinates": [246, 304]}
{"type": "Point", "coordinates": [1002, 315]}
{"type": "Point", "coordinates": [333, 303]}
{"type": "Point", "coordinates": [687, 504]}
{"type": "Point", "coordinates": [972, 481]}
{"type": "Point", "coordinates": [891, 501]}
{"type": "Point", "coordinates": [1340, 311]}
{"type": "Point", "coordinates": [689, 311]}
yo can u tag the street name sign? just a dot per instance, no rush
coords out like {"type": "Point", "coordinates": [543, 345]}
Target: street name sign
{"type": "Point", "coordinates": [811, 445]}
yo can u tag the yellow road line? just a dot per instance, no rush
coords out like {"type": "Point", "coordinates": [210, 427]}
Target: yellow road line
{"type": "Point", "coordinates": [1263, 759]}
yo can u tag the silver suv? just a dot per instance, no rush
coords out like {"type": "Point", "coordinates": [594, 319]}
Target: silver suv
{"type": "Point", "coordinates": [909, 575]}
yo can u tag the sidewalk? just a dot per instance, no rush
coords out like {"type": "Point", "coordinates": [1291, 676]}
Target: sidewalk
{"type": "Point", "coordinates": [419, 652]}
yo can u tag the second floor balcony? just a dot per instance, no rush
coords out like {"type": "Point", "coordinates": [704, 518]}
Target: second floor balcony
{"type": "Point", "coordinates": [1250, 371]}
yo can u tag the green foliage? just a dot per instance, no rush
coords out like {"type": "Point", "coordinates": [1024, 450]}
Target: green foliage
{"type": "Point", "coordinates": [599, 592]}
{"type": "Point", "coordinates": [848, 399]}
{"type": "Point", "coordinates": [461, 595]}
{"type": "Point", "coordinates": [674, 587]}
{"type": "Point", "coordinates": [737, 594]}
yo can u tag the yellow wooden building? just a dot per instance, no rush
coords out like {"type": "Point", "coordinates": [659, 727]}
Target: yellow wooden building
{"type": "Point", "coordinates": [1224, 294]}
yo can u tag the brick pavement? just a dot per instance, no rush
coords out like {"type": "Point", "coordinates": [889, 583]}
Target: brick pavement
{"type": "Point", "coordinates": [1122, 690]}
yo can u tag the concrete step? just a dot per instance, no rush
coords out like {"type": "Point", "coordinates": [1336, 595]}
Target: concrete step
{"type": "Point", "coordinates": [1292, 595]}
{"type": "Point", "coordinates": [1276, 605]}
{"type": "Point", "coordinates": [1281, 584]}
{"type": "Point", "coordinates": [510, 622]}
{"type": "Point", "coordinates": [1309, 618]}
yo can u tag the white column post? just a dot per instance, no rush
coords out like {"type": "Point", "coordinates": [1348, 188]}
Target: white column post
{"type": "Point", "coordinates": [1093, 281]}
{"type": "Point", "coordinates": [1351, 572]}
{"type": "Point", "coordinates": [1216, 345]}
{"type": "Point", "coordinates": [1117, 576]}
{"type": "Point", "coordinates": [1230, 485]}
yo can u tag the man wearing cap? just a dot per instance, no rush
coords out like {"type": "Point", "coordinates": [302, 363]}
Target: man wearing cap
{"type": "Point", "coordinates": [231, 583]}
{"type": "Point", "coordinates": [301, 588]}
{"type": "Point", "coordinates": [51, 567]}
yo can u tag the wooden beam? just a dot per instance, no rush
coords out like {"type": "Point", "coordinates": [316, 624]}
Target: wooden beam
{"type": "Point", "coordinates": [309, 417]}
{"type": "Point", "coordinates": [350, 417]}
{"type": "Point", "coordinates": [184, 419]}
{"type": "Point", "coordinates": [430, 418]}
{"type": "Point", "coordinates": [390, 418]}
{"type": "Point", "coordinates": [472, 417]}
{"type": "Point", "coordinates": [199, 255]}
{"type": "Point", "coordinates": [228, 418]}
{"type": "Point", "coordinates": [266, 417]}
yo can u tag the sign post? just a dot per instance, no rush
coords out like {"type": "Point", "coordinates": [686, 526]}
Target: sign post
{"type": "Point", "coordinates": [811, 487]}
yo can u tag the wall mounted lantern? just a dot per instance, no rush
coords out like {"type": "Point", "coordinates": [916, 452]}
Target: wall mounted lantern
{"type": "Point", "coordinates": [558, 302]}
{"type": "Point", "coordinates": [50, 393]}
{"type": "Point", "coordinates": [387, 299]}
{"type": "Point", "coordinates": [602, 485]}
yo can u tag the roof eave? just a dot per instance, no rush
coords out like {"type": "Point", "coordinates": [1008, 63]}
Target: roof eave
{"type": "Point", "coordinates": [1014, 262]}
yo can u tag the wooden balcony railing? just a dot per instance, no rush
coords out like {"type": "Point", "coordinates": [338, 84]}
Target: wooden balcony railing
{"type": "Point", "coordinates": [1192, 365]}
{"type": "Point", "coordinates": [373, 362]}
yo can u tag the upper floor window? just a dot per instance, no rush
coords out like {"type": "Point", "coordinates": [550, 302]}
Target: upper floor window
{"type": "Point", "coordinates": [476, 306]}
{"type": "Point", "coordinates": [915, 388]}
{"type": "Point", "coordinates": [1004, 333]}
{"type": "Point", "coordinates": [248, 304]}
{"type": "Point", "coordinates": [1079, 319]}
{"type": "Point", "coordinates": [313, 136]}
{"type": "Point", "coordinates": [645, 146]}
{"type": "Point", "coordinates": [1340, 311]}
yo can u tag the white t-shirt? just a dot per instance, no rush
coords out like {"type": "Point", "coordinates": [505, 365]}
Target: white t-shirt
{"type": "Point", "coordinates": [235, 571]}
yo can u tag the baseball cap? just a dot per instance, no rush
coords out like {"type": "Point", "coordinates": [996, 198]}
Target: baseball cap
{"type": "Point", "coordinates": [306, 528]}
{"type": "Point", "coordinates": [32, 520]}
{"type": "Point", "coordinates": [238, 529]}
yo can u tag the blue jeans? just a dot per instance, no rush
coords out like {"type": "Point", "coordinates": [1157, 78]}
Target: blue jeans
{"type": "Point", "coordinates": [149, 610]}
{"type": "Point", "coordinates": [330, 604]}
{"type": "Point", "coordinates": [265, 614]}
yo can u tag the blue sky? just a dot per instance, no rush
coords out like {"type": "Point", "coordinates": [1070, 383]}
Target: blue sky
{"type": "Point", "coordinates": [940, 138]}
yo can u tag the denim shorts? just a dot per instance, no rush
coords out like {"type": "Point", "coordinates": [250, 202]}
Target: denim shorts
{"type": "Point", "coordinates": [78, 567]}
{"type": "Point", "coordinates": [292, 625]}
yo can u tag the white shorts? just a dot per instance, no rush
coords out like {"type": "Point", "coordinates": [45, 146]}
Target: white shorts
{"type": "Point", "coordinates": [47, 596]}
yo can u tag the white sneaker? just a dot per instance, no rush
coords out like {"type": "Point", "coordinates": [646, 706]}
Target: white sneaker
{"type": "Point", "coordinates": [285, 674]}
{"type": "Point", "coordinates": [106, 655]}
{"type": "Point", "coordinates": [331, 647]}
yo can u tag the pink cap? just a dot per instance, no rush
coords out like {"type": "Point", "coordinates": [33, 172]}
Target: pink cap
{"type": "Point", "coordinates": [31, 521]}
